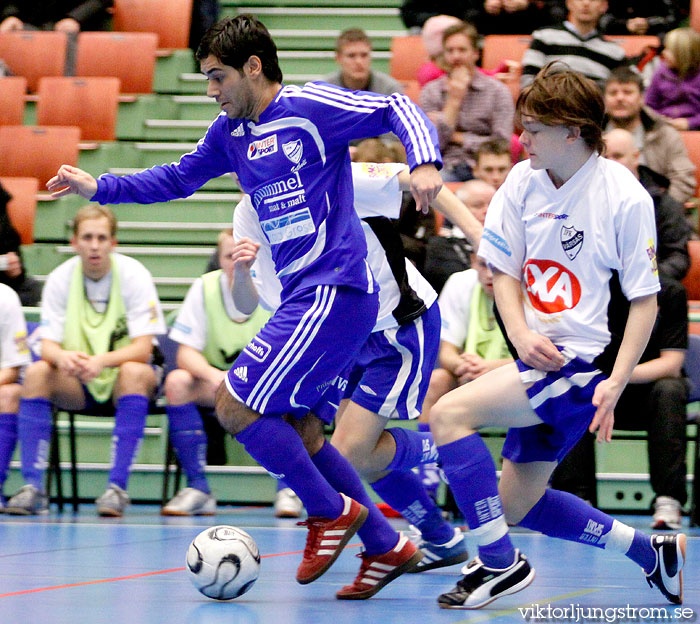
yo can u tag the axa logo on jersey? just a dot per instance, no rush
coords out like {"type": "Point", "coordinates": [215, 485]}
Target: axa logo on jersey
{"type": "Point", "coordinates": [551, 287]}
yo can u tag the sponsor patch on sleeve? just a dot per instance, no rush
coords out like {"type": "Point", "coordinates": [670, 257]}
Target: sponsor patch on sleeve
{"type": "Point", "coordinates": [497, 241]}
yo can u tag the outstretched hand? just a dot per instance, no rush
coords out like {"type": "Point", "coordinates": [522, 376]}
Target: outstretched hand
{"type": "Point", "coordinates": [72, 180]}
{"type": "Point", "coordinates": [425, 185]}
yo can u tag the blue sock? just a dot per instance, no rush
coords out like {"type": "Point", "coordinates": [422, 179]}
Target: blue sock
{"type": "Point", "coordinates": [563, 515]}
{"type": "Point", "coordinates": [129, 423]}
{"type": "Point", "coordinates": [376, 533]}
{"type": "Point", "coordinates": [641, 552]}
{"type": "Point", "coordinates": [429, 473]}
{"type": "Point", "coordinates": [412, 448]}
{"type": "Point", "coordinates": [404, 492]}
{"type": "Point", "coordinates": [190, 443]}
{"type": "Point", "coordinates": [275, 445]}
{"type": "Point", "coordinates": [34, 428]}
{"type": "Point", "coordinates": [471, 474]}
{"type": "Point", "coordinates": [8, 441]}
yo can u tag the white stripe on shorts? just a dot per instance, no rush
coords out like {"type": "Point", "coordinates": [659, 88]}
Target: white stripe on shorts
{"type": "Point", "coordinates": [293, 349]}
{"type": "Point", "coordinates": [389, 407]}
{"type": "Point", "coordinates": [562, 386]}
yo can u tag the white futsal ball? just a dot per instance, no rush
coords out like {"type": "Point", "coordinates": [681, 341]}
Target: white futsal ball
{"type": "Point", "coordinates": [223, 562]}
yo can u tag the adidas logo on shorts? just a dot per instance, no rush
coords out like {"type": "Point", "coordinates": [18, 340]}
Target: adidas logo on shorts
{"type": "Point", "coordinates": [242, 373]}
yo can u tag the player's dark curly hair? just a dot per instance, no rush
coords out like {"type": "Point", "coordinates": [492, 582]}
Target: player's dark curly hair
{"type": "Point", "coordinates": [559, 96]}
{"type": "Point", "coordinates": [233, 40]}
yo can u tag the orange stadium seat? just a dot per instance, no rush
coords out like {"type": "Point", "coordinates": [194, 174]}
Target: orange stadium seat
{"type": "Point", "coordinates": [498, 48]}
{"type": "Point", "coordinates": [634, 45]}
{"type": "Point", "coordinates": [22, 207]}
{"type": "Point", "coordinates": [411, 88]}
{"type": "Point", "coordinates": [89, 103]}
{"type": "Point", "coordinates": [131, 57]}
{"type": "Point", "coordinates": [12, 92]}
{"type": "Point", "coordinates": [34, 54]}
{"type": "Point", "coordinates": [169, 19]}
{"type": "Point", "coordinates": [692, 280]}
{"type": "Point", "coordinates": [407, 55]}
{"type": "Point", "coordinates": [37, 151]}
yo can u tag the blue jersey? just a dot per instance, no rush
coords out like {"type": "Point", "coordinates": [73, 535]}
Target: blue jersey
{"type": "Point", "coordinates": [294, 164]}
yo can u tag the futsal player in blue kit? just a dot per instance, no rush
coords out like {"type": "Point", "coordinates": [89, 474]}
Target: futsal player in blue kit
{"type": "Point", "coordinates": [289, 147]}
{"type": "Point", "coordinates": [387, 381]}
{"type": "Point", "coordinates": [556, 230]}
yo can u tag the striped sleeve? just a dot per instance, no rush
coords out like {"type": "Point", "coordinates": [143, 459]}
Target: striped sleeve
{"type": "Point", "coordinates": [346, 115]}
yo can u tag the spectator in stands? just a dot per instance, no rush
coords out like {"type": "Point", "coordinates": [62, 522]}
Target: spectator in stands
{"type": "Point", "coordinates": [672, 229]}
{"type": "Point", "coordinates": [99, 315]}
{"type": "Point", "coordinates": [639, 17]}
{"type": "Point", "coordinates": [415, 13]}
{"type": "Point", "coordinates": [14, 354]}
{"type": "Point", "coordinates": [432, 32]}
{"type": "Point", "coordinates": [516, 17]}
{"type": "Point", "coordinates": [12, 271]}
{"type": "Point", "coordinates": [353, 54]}
{"type": "Point", "coordinates": [577, 41]}
{"type": "Point", "coordinates": [467, 107]}
{"type": "Point", "coordinates": [431, 35]}
{"type": "Point", "coordinates": [471, 343]}
{"type": "Point", "coordinates": [661, 147]}
{"type": "Point", "coordinates": [211, 332]}
{"type": "Point", "coordinates": [205, 13]}
{"type": "Point", "coordinates": [654, 400]}
{"type": "Point", "coordinates": [493, 162]}
{"type": "Point", "coordinates": [450, 252]}
{"type": "Point", "coordinates": [674, 90]}
{"type": "Point", "coordinates": [68, 16]}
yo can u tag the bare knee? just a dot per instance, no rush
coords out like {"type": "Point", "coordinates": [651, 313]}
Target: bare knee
{"type": "Point", "coordinates": [136, 378]}
{"type": "Point", "coordinates": [9, 398]}
{"type": "Point", "coordinates": [178, 387]}
{"type": "Point", "coordinates": [233, 415]}
{"type": "Point", "coordinates": [310, 430]}
{"type": "Point", "coordinates": [352, 448]}
{"type": "Point", "coordinates": [37, 380]}
{"type": "Point", "coordinates": [450, 419]}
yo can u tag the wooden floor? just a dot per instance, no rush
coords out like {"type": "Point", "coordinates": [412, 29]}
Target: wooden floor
{"type": "Point", "coordinates": [79, 569]}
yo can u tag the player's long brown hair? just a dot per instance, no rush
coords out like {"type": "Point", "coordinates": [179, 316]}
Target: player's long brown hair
{"type": "Point", "coordinates": [559, 96]}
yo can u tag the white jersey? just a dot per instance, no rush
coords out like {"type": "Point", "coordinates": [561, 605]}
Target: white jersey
{"type": "Point", "coordinates": [13, 330]}
{"type": "Point", "coordinates": [190, 327]}
{"type": "Point", "coordinates": [144, 316]}
{"type": "Point", "coordinates": [563, 243]}
{"type": "Point", "coordinates": [455, 303]}
{"type": "Point", "coordinates": [377, 194]}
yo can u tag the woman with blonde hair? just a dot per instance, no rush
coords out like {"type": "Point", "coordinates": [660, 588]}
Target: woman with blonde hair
{"type": "Point", "coordinates": [674, 90]}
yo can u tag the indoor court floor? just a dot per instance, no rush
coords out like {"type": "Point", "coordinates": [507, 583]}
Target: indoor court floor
{"type": "Point", "coordinates": [79, 569]}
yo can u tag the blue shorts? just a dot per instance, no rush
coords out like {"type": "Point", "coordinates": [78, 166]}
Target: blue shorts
{"type": "Point", "coordinates": [391, 374]}
{"type": "Point", "coordinates": [296, 356]}
{"type": "Point", "coordinates": [562, 400]}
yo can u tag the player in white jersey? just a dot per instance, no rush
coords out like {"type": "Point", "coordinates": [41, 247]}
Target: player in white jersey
{"type": "Point", "coordinates": [100, 313]}
{"type": "Point", "coordinates": [390, 375]}
{"type": "Point", "coordinates": [288, 146]}
{"type": "Point", "coordinates": [555, 232]}
{"type": "Point", "coordinates": [14, 354]}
